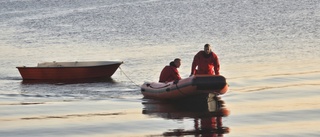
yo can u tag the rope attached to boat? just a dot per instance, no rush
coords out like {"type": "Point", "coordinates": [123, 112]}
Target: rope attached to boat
{"type": "Point", "coordinates": [148, 85]}
{"type": "Point", "coordinates": [176, 82]}
{"type": "Point", "coordinates": [128, 77]}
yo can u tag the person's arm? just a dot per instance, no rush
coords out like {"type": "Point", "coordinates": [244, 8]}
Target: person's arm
{"type": "Point", "coordinates": [216, 64]}
{"type": "Point", "coordinates": [195, 63]}
{"type": "Point", "coordinates": [177, 76]}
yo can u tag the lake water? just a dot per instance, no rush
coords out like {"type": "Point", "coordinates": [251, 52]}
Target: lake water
{"type": "Point", "coordinates": [268, 50]}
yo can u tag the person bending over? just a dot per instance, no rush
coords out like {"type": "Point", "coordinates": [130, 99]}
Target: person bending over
{"type": "Point", "coordinates": [170, 73]}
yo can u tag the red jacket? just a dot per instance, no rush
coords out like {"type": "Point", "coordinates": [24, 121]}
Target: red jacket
{"type": "Point", "coordinates": [169, 73]}
{"type": "Point", "coordinates": [207, 64]}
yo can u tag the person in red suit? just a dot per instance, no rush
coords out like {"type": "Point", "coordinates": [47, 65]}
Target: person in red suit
{"type": "Point", "coordinates": [205, 62]}
{"type": "Point", "coordinates": [170, 73]}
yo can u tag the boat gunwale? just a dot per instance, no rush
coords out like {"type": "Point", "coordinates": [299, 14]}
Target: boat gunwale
{"type": "Point", "coordinates": [82, 66]}
{"type": "Point", "coordinates": [174, 87]}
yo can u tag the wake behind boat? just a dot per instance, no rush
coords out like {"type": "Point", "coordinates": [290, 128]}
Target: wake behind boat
{"type": "Point", "coordinates": [70, 70]}
{"type": "Point", "coordinates": [188, 87]}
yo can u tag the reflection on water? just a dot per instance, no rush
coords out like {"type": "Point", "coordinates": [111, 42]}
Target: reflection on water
{"type": "Point", "coordinates": [206, 113]}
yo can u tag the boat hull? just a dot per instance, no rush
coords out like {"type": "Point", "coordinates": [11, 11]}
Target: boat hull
{"type": "Point", "coordinates": [69, 72]}
{"type": "Point", "coordinates": [200, 85]}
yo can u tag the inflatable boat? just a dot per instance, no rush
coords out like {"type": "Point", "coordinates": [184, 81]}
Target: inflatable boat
{"type": "Point", "coordinates": [188, 87]}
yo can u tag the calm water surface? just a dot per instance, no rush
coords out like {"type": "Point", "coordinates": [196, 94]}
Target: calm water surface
{"type": "Point", "coordinates": [269, 53]}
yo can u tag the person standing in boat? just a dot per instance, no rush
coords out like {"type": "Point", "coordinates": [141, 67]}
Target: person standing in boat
{"type": "Point", "coordinates": [205, 62]}
{"type": "Point", "coordinates": [170, 73]}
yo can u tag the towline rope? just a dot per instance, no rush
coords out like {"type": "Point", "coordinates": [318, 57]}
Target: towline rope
{"type": "Point", "coordinates": [128, 77]}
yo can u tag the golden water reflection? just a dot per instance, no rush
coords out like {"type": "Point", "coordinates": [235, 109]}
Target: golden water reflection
{"type": "Point", "coordinates": [206, 114]}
